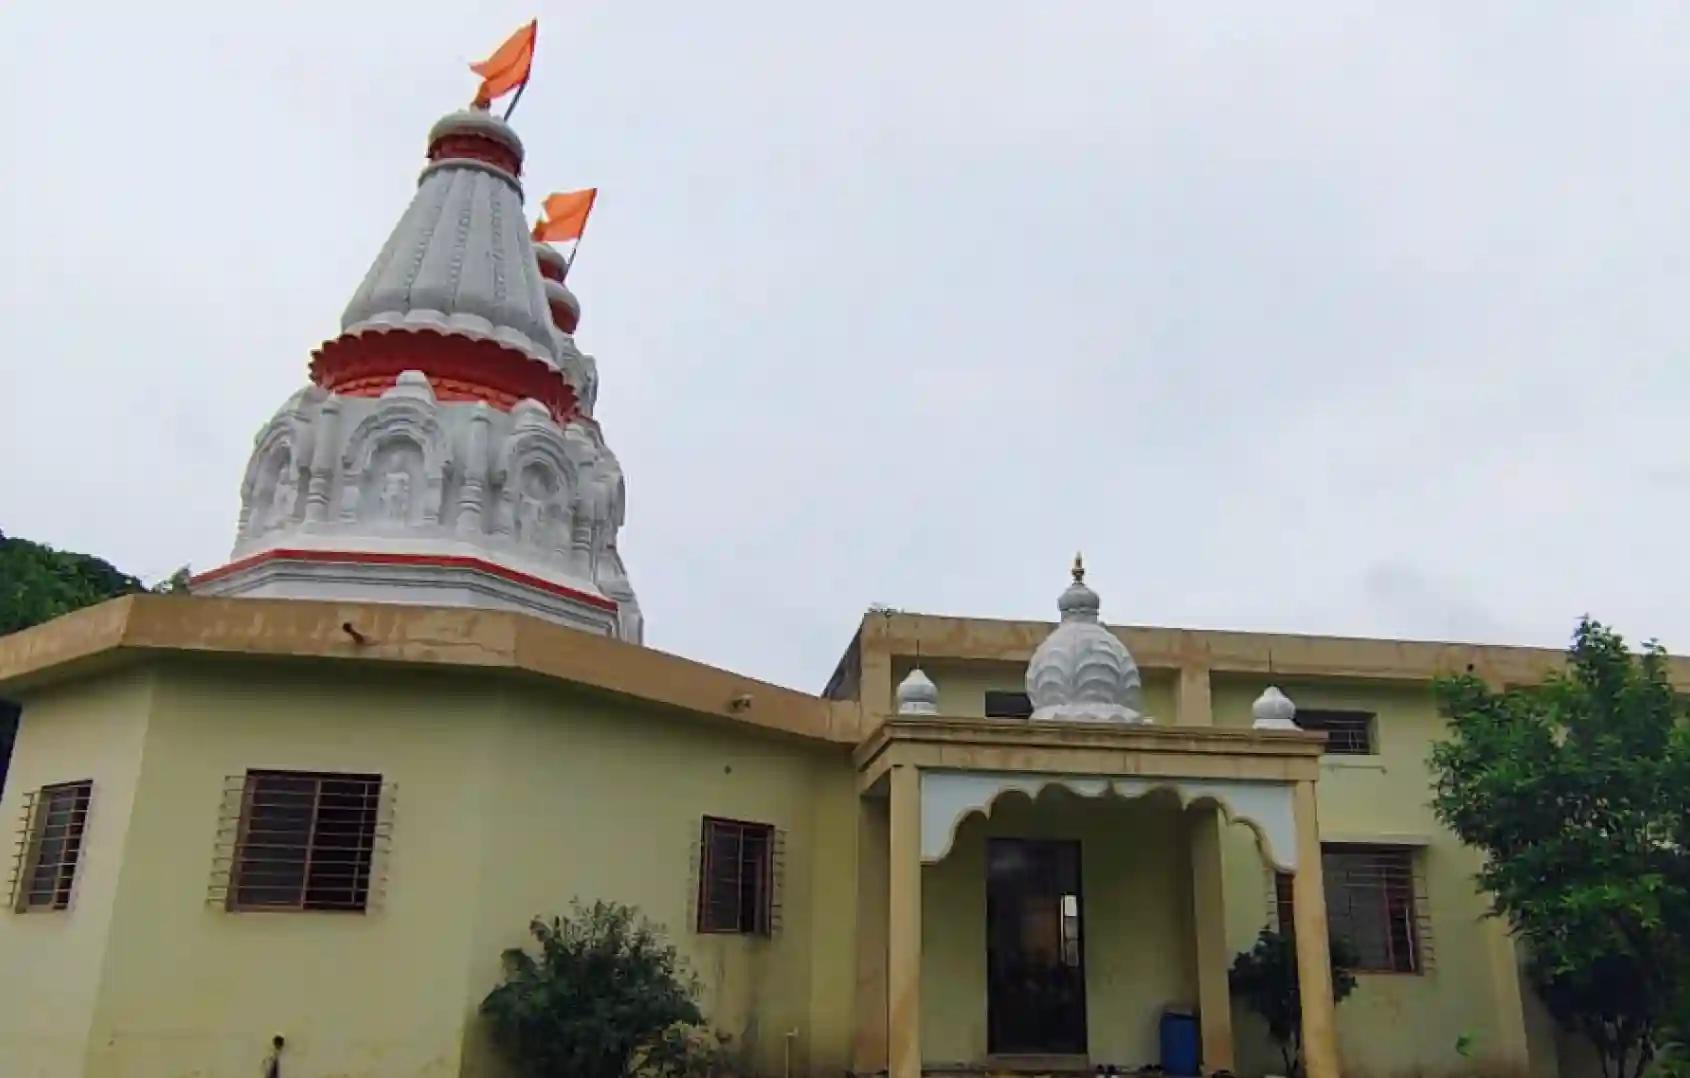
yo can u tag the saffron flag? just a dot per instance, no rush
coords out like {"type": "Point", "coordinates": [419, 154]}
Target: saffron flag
{"type": "Point", "coordinates": [507, 68]}
{"type": "Point", "coordinates": [565, 215]}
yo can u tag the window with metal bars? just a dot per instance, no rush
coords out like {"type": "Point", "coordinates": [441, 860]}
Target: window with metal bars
{"type": "Point", "coordinates": [51, 846]}
{"type": "Point", "coordinates": [1008, 705]}
{"type": "Point", "coordinates": [1348, 733]}
{"type": "Point", "coordinates": [306, 841]}
{"type": "Point", "coordinates": [736, 877]}
{"type": "Point", "coordinates": [1370, 904]}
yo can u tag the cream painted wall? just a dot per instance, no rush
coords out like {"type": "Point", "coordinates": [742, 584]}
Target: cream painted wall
{"type": "Point", "coordinates": [508, 801]}
{"type": "Point", "coordinates": [190, 987]}
{"type": "Point", "coordinates": [52, 960]}
{"type": "Point", "coordinates": [1137, 931]}
{"type": "Point", "coordinates": [1393, 1024]}
{"type": "Point", "coordinates": [598, 800]}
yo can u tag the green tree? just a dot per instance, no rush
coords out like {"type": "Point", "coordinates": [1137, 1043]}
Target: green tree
{"type": "Point", "coordinates": [1578, 793]}
{"type": "Point", "coordinates": [605, 997]}
{"type": "Point", "coordinates": [1265, 977]}
{"type": "Point", "coordinates": [38, 583]}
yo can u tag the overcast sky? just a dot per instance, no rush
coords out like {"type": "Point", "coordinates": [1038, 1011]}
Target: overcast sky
{"type": "Point", "coordinates": [1290, 316]}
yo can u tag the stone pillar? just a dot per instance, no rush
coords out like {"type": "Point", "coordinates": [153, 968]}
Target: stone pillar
{"type": "Point", "coordinates": [473, 492]}
{"type": "Point", "coordinates": [1314, 960]}
{"type": "Point", "coordinates": [1192, 705]}
{"type": "Point", "coordinates": [1214, 996]}
{"type": "Point", "coordinates": [868, 1050]}
{"type": "Point", "coordinates": [325, 450]}
{"type": "Point", "coordinates": [903, 927]}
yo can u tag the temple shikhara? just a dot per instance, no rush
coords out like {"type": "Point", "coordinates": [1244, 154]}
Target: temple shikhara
{"type": "Point", "coordinates": [444, 450]}
{"type": "Point", "coordinates": [287, 823]}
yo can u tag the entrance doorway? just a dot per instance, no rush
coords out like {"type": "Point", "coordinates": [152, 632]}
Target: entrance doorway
{"type": "Point", "coordinates": [1035, 958]}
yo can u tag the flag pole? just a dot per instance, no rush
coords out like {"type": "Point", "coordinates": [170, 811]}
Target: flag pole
{"type": "Point", "coordinates": [517, 97]}
{"type": "Point", "coordinates": [533, 47]}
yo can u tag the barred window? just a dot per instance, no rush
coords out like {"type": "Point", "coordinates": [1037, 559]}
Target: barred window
{"type": "Point", "coordinates": [1370, 904]}
{"type": "Point", "coordinates": [306, 841]}
{"type": "Point", "coordinates": [1008, 705]}
{"type": "Point", "coordinates": [736, 881]}
{"type": "Point", "coordinates": [51, 846]}
{"type": "Point", "coordinates": [1348, 733]}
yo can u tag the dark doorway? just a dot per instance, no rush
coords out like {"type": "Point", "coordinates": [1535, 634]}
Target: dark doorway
{"type": "Point", "coordinates": [1035, 959]}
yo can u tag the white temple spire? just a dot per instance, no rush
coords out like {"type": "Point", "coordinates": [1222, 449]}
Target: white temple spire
{"type": "Point", "coordinates": [1082, 673]}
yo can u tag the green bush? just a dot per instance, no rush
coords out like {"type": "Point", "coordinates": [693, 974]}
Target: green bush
{"type": "Point", "coordinates": [1265, 977]}
{"type": "Point", "coordinates": [604, 997]}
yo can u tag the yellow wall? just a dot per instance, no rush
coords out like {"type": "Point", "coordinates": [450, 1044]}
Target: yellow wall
{"type": "Point", "coordinates": [52, 960]}
{"type": "Point", "coordinates": [190, 986]}
{"type": "Point", "coordinates": [508, 802]}
{"type": "Point", "coordinates": [1393, 1024]}
{"type": "Point", "coordinates": [599, 800]}
{"type": "Point", "coordinates": [1136, 923]}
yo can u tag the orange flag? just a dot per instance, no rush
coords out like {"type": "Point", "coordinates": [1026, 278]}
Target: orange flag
{"type": "Point", "coordinates": [566, 215]}
{"type": "Point", "coordinates": [507, 68]}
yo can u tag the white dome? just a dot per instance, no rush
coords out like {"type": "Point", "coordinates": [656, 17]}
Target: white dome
{"type": "Point", "coordinates": [917, 695]}
{"type": "Point", "coordinates": [1082, 673]}
{"type": "Point", "coordinates": [1273, 710]}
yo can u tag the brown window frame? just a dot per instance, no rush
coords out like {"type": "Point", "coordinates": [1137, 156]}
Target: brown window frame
{"type": "Point", "coordinates": [751, 915]}
{"type": "Point", "coordinates": [1390, 894]}
{"type": "Point", "coordinates": [1023, 704]}
{"type": "Point", "coordinates": [30, 896]}
{"type": "Point", "coordinates": [320, 876]}
{"type": "Point", "coordinates": [1348, 732]}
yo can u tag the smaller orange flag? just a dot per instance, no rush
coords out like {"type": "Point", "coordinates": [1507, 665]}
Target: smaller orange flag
{"type": "Point", "coordinates": [507, 68]}
{"type": "Point", "coordinates": [566, 215]}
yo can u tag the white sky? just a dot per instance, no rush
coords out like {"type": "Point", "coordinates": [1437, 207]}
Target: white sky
{"type": "Point", "coordinates": [1292, 317]}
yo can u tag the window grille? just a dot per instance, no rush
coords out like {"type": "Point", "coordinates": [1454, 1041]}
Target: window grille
{"type": "Point", "coordinates": [1348, 733]}
{"type": "Point", "coordinates": [1375, 902]}
{"type": "Point", "coordinates": [302, 840]}
{"type": "Point", "coordinates": [49, 846]}
{"type": "Point", "coordinates": [1008, 705]}
{"type": "Point", "coordinates": [740, 869]}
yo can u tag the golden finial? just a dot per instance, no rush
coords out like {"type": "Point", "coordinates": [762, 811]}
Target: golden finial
{"type": "Point", "coordinates": [1079, 569]}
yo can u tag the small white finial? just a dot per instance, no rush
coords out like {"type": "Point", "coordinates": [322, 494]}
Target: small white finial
{"type": "Point", "coordinates": [917, 695]}
{"type": "Point", "coordinates": [1273, 710]}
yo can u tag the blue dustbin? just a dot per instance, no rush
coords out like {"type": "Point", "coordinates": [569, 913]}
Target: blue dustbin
{"type": "Point", "coordinates": [1179, 1042]}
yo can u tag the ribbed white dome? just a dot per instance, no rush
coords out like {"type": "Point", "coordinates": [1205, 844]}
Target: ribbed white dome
{"type": "Point", "coordinates": [1082, 673]}
{"type": "Point", "coordinates": [917, 695]}
{"type": "Point", "coordinates": [1273, 710]}
{"type": "Point", "coordinates": [460, 260]}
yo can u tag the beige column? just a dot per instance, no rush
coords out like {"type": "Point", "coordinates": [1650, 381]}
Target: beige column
{"type": "Point", "coordinates": [1214, 997]}
{"type": "Point", "coordinates": [903, 929]}
{"type": "Point", "coordinates": [1192, 705]}
{"type": "Point", "coordinates": [868, 1049]}
{"type": "Point", "coordinates": [1314, 960]}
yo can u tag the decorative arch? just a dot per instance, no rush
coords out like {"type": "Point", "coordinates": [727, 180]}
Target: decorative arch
{"type": "Point", "coordinates": [535, 447]}
{"type": "Point", "coordinates": [399, 419]}
{"type": "Point", "coordinates": [275, 458]}
{"type": "Point", "coordinates": [950, 797]}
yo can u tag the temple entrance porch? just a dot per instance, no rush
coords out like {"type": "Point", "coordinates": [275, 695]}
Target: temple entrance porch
{"type": "Point", "coordinates": [1032, 896]}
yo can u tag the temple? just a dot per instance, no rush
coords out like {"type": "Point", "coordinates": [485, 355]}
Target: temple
{"type": "Point", "coordinates": [445, 451]}
{"type": "Point", "coordinates": [292, 820]}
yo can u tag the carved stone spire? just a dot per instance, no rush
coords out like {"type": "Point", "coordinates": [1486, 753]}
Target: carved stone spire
{"type": "Point", "coordinates": [445, 452]}
{"type": "Point", "coordinates": [1082, 673]}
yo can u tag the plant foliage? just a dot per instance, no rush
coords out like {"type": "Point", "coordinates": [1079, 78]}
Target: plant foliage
{"type": "Point", "coordinates": [38, 583]}
{"type": "Point", "coordinates": [1265, 977]}
{"type": "Point", "coordinates": [604, 997]}
{"type": "Point", "coordinates": [1578, 793]}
